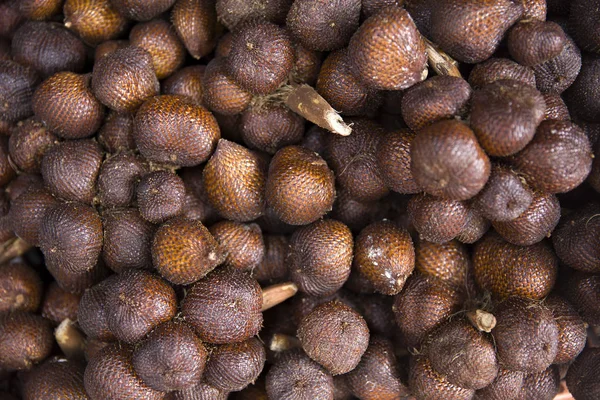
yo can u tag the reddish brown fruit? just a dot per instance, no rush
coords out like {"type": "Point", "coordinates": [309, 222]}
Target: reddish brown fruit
{"type": "Point", "coordinates": [449, 262]}
{"type": "Point", "coordinates": [505, 115]}
{"type": "Point", "coordinates": [475, 228]}
{"type": "Point", "coordinates": [320, 257]}
{"type": "Point", "coordinates": [20, 288]}
{"type": "Point", "coordinates": [105, 48]}
{"type": "Point", "coordinates": [234, 366]}
{"type": "Point", "coordinates": [535, 9]}
{"type": "Point", "coordinates": [70, 169]}
{"type": "Point", "coordinates": [170, 358]}
{"type": "Point", "coordinates": [118, 178]}
{"type": "Point", "coordinates": [261, 56]}
{"type": "Point", "coordinates": [208, 307]}
{"type": "Point", "coordinates": [273, 267]}
{"type": "Point", "coordinates": [526, 335]}
{"type": "Point", "coordinates": [323, 26]}
{"type": "Point", "coordinates": [184, 251]}
{"type": "Point", "coordinates": [221, 93]}
{"type": "Point", "coordinates": [56, 378]}
{"type": "Point", "coordinates": [437, 220]}
{"type": "Point", "coordinates": [160, 196]}
{"type": "Point", "coordinates": [92, 315]}
{"type": "Point", "coordinates": [306, 66]}
{"type": "Point", "coordinates": [572, 332]}
{"type": "Point", "coordinates": [556, 108]}
{"type": "Point", "coordinates": [39, 10]}
{"type": "Point", "coordinates": [558, 159]}
{"type": "Point", "coordinates": [71, 237]}
{"type": "Point", "coordinates": [111, 364]}
{"type": "Point", "coordinates": [496, 69]}
{"type": "Point", "coordinates": [27, 213]}
{"type": "Point", "coordinates": [509, 270]}
{"type": "Point", "coordinates": [582, 376]}
{"type": "Point", "coordinates": [7, 172]}
{"type": "Point", "coordinates": [385, 256]}
{"type": "Point", "coordinates": [202, 391]}
{"type": "Point", "coordinates": [426, 383]}
{"type": "Point", "coordinates": [234, 180]}
{"type": "Point", "coordinates": [173, 130]}
{"type": "Point", "coordinates": [507, 385]}
{"type": "Point", "coordinates": [137, 303]}
{"type": "Point", "coordinates": [17, 84]}
{"type": "Point", "coordinates": [534, 42]}
{"type": "Point", "coordinates": [124, 79]}
{"type": "Point", "coordinates": [187, 82]}
{"type": "Point", "coordinates": [300, 186]}
{"type": "Point", "coordinates": [575, 239]}
{"type": "Point", "coordinates": [25, 339]}
{"type": "Point", "coordinates": [95, 21]}
{"type": "Point", "coordinates": [141, 10]}
{"type": "Point", "coordinates": [335, 336]}
{"type": "Point", "coordinates": [48, 47]}
{"type": "Point", "coordinates": [117, 133]}
{"type": "Point", "coordinates": [196, 24]}
{"type": "Point", "coordinates": [59, 304]}
{"type": "Point", "coordinates": [270, 127]}
{"type": "Point", "coordinates": [534, 224]}
{"type": "Point", "coordinates": [242, 243]}
{"type": "Point", "coordinates": [559, 73]}
{"type": "Point", "coordinates": [28, 142]}
{"type": "Point", "coordinates": [387, 50]}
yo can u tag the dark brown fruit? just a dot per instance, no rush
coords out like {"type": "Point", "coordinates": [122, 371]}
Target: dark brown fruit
{"type": "Point", "coordinates": [447, 161]}
{"type": "Point", "coordinates": [294, 376]}
{"type": "Point", "coordinates": [127, 240]}
{"type": "Point", "coordinates": [234, 180]}
{"type": "Point", "coordinates": [77, 282]}
{"type": "Point", "coordinates": [137, 303]}
{"type": "Point", "coordinates": [70, 169]}
{"type": "Point", "coordinates": [571, 329]}
{"type": "Point", "coordinates": [385, 256]}
{"type": "Point", "coordinates": [170, 358]}
{"type": "Point", "coordinates": [233, 12]}
{"type": "Point", "coordinates": [437, 220]}
{"type": "Point", "coordinates": [449, 262]}
{"type": "Point", "coordinates": [48, 47]}
{"type": "Point", "coordinates": [583, 17]}
{"type": "Point", "coordinates": [320, 257]}
{"type": "Point", "coordinates": [117, 133]}
{"type": "Point", "coordinates": [11, 18]}
{"type": "Point", "coordinates": [541, 385]}
{"type": "Point", "coordinates": [534, 42]}
{"type": "Point", "coordinates": [335, 336]}
{"type": "Point", "coordinates": [27, 212]}
{"type": "Point", "coordinates": [28, 142]}
{"type": "Point", "coordinates": [505, 115]}
{"type": "Point", "coordinates": [356, 214]}
{"type": "Point", "coordinates": [242, 243]}
{"type": "Point", "coordinates": [105, 48]}
{"type": "Point", "coordinates": [377, 311]}
{"type": "Point", "coordinates": [353, 158]}
{"type": "Point", "coordinates": [425, 383]}
{"type": "Point", "coordinates": [25, 339]}
{"type": "Point", "coordinates": [477, 226]}
{"type": "Point", "coordinates": [7, 171]}
{"type": "Point", "coordinates": [534, 224]}
{"type": "Point", "coordinates": [197, 206]}
{"type": "Point", "coordinates": [496, 69]}
{"type": "Point", "coordinates": [224, 307]}
{"type": "Point", "coordinates": [160, 196]}
{"type": "Point", "coordinates": [118, 179]}
{"type": "Point", "coordinates": [424, 303]}
{"type": "Point", "coordinates": [124, 79]}
{"type": "Point", "coordinates": [306, 66]}
{"type": "Point", "coordinates": [221, 93]}
{"type": "Point", "coordinates": [583, 96]}
{"type": "Point", "coordinates": [173, 130]}
{"type": "Point", "coordinates": [21, 184]}
{"type": "Point", "coordinates": [504, 197]}
{"type": "Point", "coordinates": [234, 366]}
{"type": "Point", "coordinates": [471, 32]}
{"type": "Point", "coordinates": [202, 391]}
{"type": "Point", "coordinates": [113, 364]}
{"type": "Point", "coordinates": [300, 186]}
{"type": "Point", "coordinates": [583, 291]}
{"type": "Point", "coordinates": [17, 84]}
{"type": "Point", "coordinates": [559, 73]}
{"type": "Point", "coordinates": [92, 314]}
{"type": "Point", "coordinates": [465, 356]}
{"type": "Point", "coordinates": [141, 10]}
{"type": "Point", "coordinates": [71, 237]}
{"type": "Point", "coordinates": [273, 267]}
{"type": "Point", "coordinates": [556, 108]}
{"type": "Point", "coordinates": [575, 239]}
{"type": "Point", "coordinates": [20, 288]}
{"type": "Point", "coordinates": [526, 335]}
{"type": "Point", "coordinates": [184, 251]}
{"type": "Point", "coordinates": [343, 90]}
{"type": "Point", "coordinates": [377, 376]}
{"type": "Point", "coordinates": [509, 270]}
{"type": "Point", "coordinates": [95, 21]}
{"type": "Point", "coordinates": [187, 82]}
{"type": "Point", "coordinates": [270, 127]}
{"type": "Point", "coordinates": [59, 304]}
{"type": "Point", "coordinates": [437, 98]}
{"type": "Point", "coordinates": [583, 375]}
{"type": "Point", "coordinates": [323, 26]}
{"type": "Point", "coordinates": [507, 385]}
{"type": "Point", "coordinates": [387, 51]}
{"type": "Point", "coordinates": [56, 378]}
{"type": "Point", "coordinates": [558, 159]}
{"type": "Point", "coordinates": [65, 103]}
{"type": "Point", "coordinates": [261, 56]}
{"type": "Point", "coordinates": [196, 24]}
{"type": "Point", "coordinates": [160, 40]}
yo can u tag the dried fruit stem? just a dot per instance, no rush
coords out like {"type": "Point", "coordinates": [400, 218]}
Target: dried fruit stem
{"type": "Point", "coordinates": [12, 248]}
{"type": "Point", "coordinates": [305, 101]}
{"type": "Point", "coordinates": [276, 294]}
{"type": "Point", "coordinates": [441, 62]}
{"type": "Point", "coordinates": [280, 342]}
{"type": "Point", "coordinates": [70, 340]}
{"type": "Point", "coordinates": [482, 320]}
